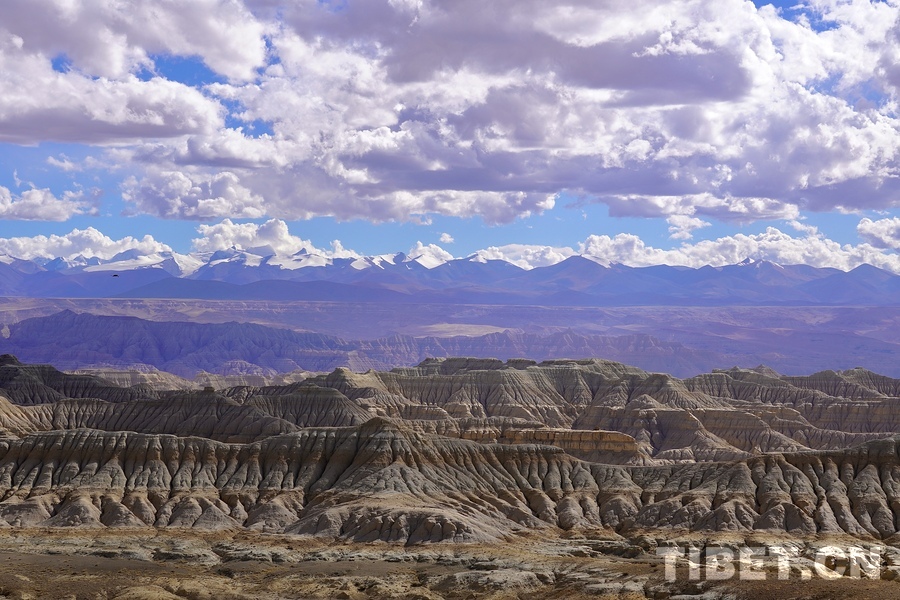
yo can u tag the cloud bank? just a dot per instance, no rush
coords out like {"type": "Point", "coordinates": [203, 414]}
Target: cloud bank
{"type": "Point", "coordinates": [392, 110]}
{"type": "Point", "coordinates": [41, 205]}
{"type": "Point", "coordinates": [79, 242]}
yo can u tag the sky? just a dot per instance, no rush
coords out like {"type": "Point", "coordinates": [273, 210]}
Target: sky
{"type": "Point", "coordinates": [681, 132]}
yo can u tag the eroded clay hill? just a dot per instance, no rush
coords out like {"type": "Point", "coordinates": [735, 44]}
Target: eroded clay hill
{"type": "Point", "coordinates": [456, 450]}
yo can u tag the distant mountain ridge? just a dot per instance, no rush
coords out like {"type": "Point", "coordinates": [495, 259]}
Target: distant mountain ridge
{"type": "Point", "coordinates": [260, 274]}
{"type": "Point", "coordinates": [72, 341]}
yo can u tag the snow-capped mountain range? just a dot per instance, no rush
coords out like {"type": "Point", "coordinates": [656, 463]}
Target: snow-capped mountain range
{"type": "Point", "coordinates": [261, 273]}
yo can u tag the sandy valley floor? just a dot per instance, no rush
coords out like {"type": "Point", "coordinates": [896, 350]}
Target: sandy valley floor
{"type": "Point", "coordinates": [145, 565]}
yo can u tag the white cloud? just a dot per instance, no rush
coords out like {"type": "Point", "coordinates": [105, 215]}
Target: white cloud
{"type": "Point", "coordinates": [338, 251]}
{"type": "Point", "coordinates": [681, 227]}
{"type": "Point", "coordinates": [802, 227]}
{"type": "Point", "coordinates": [526, 256]}
{"type": "Point", "coordinates": [40, 104]}
{"type": "Point", "coordinates": [772, 245]}
{"type": "Point", "coordinates": [430, 255]}
{"type": "Point", "coordinates": [41, 205]}
{"type": "Point", "coordinates": [883, 233]}
{"type": "Point", "coordinates": [63, 163]}
{"type": "Point", "coordinates": [86, 242]}
{"type": "Point", "coordinates": [273, 233]}
{"type": "Point", "coordinates": [179, 195]}
{"type": "Point", "coordinates": [226, 234]}
{"type": "Point", "coordinates": [710, 132]}
{"type": "Point", "coordinates": [446, 238]}
{"type": "Point", "coordinates": [396, 110]}
{"type": "Point", "coordinates": [112, 39]}
{"type": "Point", "coordinates": [742, 131]}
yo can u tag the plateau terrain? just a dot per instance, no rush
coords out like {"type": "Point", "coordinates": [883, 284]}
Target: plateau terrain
{"type": "Point", "coordinates": [244, 425]}
{"type": "Point", "coordinates": [574, 471]}
{"type": "Point", "coordinates": [449, 300]}
{"type": "Point", "coordinates": [266, 339]}
{"type": "Point", "coordinates": [256, 312]}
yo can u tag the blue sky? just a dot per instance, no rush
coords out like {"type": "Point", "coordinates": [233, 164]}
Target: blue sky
{"type": "Point", "coordinates": [385, 124]}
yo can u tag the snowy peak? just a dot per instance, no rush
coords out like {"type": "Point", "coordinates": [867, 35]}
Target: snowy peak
{"type": "Point", "coordinates": [63, 264]}
{"type": "Point", "coordinates": [300, 260]}
{"type": "Point", "coordinates": [758, 264]}
{"type": "Point", "coordinates": [429, 274]}
{"type": "Point", "coordinates": [263, 251]}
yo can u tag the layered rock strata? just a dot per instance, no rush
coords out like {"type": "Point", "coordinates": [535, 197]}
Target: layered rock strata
{"type": "Point", "coordinates": [456, 450]}
{"type": "Point", "coordinates": [378, 481]}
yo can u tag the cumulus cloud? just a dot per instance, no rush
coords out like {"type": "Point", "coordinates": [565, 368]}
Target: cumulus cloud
{"type": "Point", "coordinates": [41, 205]}
{"type": "Point", "coordinates": [812, 249]}
{"type": "Point", "coordinates": [430, 255]}
{"type": "Point", "coordinates": [526, 256]}
{"type": "Point", "coordinates": [112, 39]}
{"type": "Point", "coordinates": [338, 251]}
{"type": "Point", "coordinates": [85, 242]}
{"type": "Point", "coordinates": [883, 233]}
{"type": "Point", "coordinates": [446, 238]}
{"type": "Point", "coordinates": [802, 227]}
{"type": "Point", "coordinates": [179, 195]}
{"type": "Point", "coordinates": [227, 234]}
{"type": "Point", "coordinates": [63, 163]}
{"type": "Point", "coordinates": [773, 245]}
{"type": "Point", "coordinates": [394, 110]}
{"type": "Point", "coordinates": [273, 234]}
{"type": "Point", "coordinates": [681, 227]}
{"type": "Point", "coordinates": [696, 109]}
{"type": "Point", "coordinates": [38, 103]}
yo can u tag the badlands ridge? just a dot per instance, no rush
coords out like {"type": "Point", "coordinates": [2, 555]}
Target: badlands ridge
{"type": "Point", "coordinates": [464, 450]}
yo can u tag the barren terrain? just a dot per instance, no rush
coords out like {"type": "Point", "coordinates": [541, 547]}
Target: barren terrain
{"type": "Point", "coordinates": [173, 565]}
{"type": "Point", "coordinates": [682, 340]}
{"type": "Point", "coordinates": [456, 478]}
